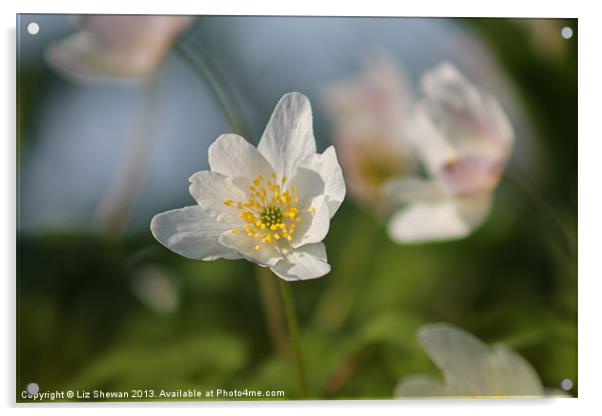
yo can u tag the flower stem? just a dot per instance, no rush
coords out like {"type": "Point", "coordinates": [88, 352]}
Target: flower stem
{"type": "Point", "coordinates": [562, 236]}
{"type": "Point", "coordinates": [293, 329]}
{"type": "Point", "coordinates": [272, 309]}
{"type": "Point", "coordinates": [225, 97]}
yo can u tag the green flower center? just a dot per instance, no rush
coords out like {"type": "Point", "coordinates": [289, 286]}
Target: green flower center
{"type": "Point", "coordinates": [271, 215]}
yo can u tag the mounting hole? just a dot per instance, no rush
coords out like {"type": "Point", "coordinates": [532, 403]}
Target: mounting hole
{"type": "Point", "coordinates": [33, 28]}
{"type": "Point", "coordinates": [33, 388]}
{"type": "Point", "coordinates": [566, 32]}
{"type": "Point", "coordinates": [566, 384]}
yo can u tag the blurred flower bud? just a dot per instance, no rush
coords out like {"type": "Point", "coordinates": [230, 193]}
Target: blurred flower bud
{"type": "Point", "coordinates": [156, 288]}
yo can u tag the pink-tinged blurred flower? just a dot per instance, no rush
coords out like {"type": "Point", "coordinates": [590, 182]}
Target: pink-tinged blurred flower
{"type": "Point", "coordinates": [463, 139]}
{"type": "Point", "coordinates": [115, 46]}
{"type": "Point", "coordinates": [471, 368]}
{"type": "Point", "coordinates": [370, 115]}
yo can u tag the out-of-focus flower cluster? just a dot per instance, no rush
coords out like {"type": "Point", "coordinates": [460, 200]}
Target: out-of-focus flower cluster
{"type": "Point", "coordinates": [431, 162]}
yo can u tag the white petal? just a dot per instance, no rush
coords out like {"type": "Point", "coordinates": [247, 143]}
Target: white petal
{"type": "Point", "coordinates": [470, 119]}
{"type": "Point", "coordinates": [231, 155]}
{"type": "Point", "coordinates": [510, 374]}
{"type": "Point", "coordinates": [446, 83]}
{"type": "Point", "coordinates": [474, 209]}
{"type": "Point", "coordinates": [314, 225]}
{"type": "Point", "coordinates": [313, 208]}
{"type": "Point", "coordinates": [309, 185]}
{"type": "Point", "coordinates": [413, 189]}
{"type": "Point", "coordinates": [332, 175]}
{"type": "Point", "coordinates": [419, 386]}
{"type": "Point", "coordinates": [500, 124]}
{"type": "Point", "coordinates": [429, 143]}
{"type": "Point", "coordinates": [422, 222]}
{"type": "Point", "coordinates": [288, 137]}
{"type": "Point", "coordinates": [303, 263]}
{"type": "Point", "coordinates": [267, 255]}
{"type": "Point", "coordinates": [191, 232]}
{"type": "Point", "coordinates": [471, 368]}
{"type": "Point", "coordinates": [211, 189]}
{"type": "Point", "coordinates": [459, 356]}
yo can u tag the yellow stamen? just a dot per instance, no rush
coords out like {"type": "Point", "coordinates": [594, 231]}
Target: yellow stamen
{"type": "Point", "coordinates": [270, 213]}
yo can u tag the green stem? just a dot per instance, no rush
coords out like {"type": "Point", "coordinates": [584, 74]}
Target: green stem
{"type": "Point", "coordinates": [272, 310]}
{"type": "Point", "coordinates": [293, 329]}
{"type": "Point", "coordinates": [224, 96]}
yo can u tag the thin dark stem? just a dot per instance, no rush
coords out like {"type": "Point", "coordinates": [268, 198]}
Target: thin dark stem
{"type": "Point", "coordinates": [224, 96]}
{"type": "Point", "coordinates": [556, 226]}
{"type": "Point", "coordinates": [293, 330]}
{"type": "Point", "coordinates": [203, 66]}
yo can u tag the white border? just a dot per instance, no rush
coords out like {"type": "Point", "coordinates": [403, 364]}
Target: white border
{"type": "Point", "coordinates": [590, 201]}
{"type": "Point", "coordinates": [458, 8]}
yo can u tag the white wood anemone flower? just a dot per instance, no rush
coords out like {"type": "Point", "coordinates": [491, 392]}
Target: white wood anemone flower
{"type": "Point", "coordinates": [271, 205]}
{"type": "Point", "coordinates": [471, 368]}
{"type": "Point", "coordinates": [463, 139]}
{"type": "Point", "coordinates": [112, 46]}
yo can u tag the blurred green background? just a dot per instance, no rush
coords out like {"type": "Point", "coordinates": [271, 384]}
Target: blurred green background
{"type": "Point", "coordinates": [120, 312]}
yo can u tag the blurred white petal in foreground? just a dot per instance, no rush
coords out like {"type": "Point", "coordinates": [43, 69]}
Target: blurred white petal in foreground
{"type": "Point", "coordinates": [471, 369]}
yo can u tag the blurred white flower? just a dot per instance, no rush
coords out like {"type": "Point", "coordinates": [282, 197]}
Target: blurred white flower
{"type": "Point", "coordinates": [116, 46]}
{"type": "Point", "coordinates": [471, 369]}
{"type": "Point", "coordinates": [370, 115]}
{"type": "Point", "coordinates": [271, 205]}
{"type": "Point", "coordinates": [156, 288]}
{"type": "Point", "coordinates": [463, 139]}
{"type": "Point", "coordinates": [433, 161]}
